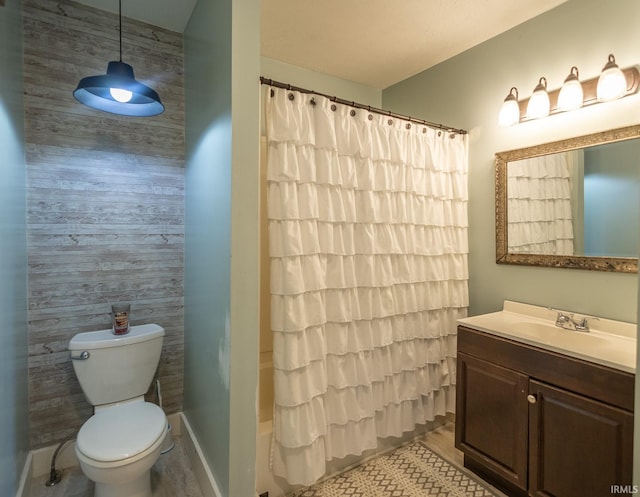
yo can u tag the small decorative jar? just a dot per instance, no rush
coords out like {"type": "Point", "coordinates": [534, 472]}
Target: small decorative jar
{"type": "Point", "coordinates": [120, 318]}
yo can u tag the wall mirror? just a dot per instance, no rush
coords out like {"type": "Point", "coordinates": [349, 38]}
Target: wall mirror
{"type": "Point", "coordinates": [573, 203]}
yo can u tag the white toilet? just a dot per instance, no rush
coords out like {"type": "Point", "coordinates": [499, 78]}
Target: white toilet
{"type": "Point", "coordinates": [119, 444]}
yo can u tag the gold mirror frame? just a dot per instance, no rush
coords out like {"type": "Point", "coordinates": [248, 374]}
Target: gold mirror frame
{"type": "Point", "coordinates": [619, 264]}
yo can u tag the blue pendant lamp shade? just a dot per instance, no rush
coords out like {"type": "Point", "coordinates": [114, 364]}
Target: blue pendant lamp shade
{"type": "Point", "coordinates": [118, 91]}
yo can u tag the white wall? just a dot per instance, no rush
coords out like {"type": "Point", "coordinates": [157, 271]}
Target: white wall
{"type": "Point", "coordinates": [467, 92]}
{"type": "Point", "coordinates": [323, 83]}
{"type": "Point", "coordinates": [13, 255]}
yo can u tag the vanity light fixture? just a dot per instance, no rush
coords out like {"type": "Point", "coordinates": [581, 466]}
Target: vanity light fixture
{"type": "Point", "coordinates": [510, 111]}
{"type": "Point", "coordinates": [539, 104]}
{"type": "Point", "coordinates": [571, 94]}
{"type": "Point", "coordinates": [118, 91]}
{"type": "Point", "coordinates": [611, 84]}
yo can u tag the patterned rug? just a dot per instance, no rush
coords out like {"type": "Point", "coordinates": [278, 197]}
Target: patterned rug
{"type": "Point", "coordinates": [410, 471]}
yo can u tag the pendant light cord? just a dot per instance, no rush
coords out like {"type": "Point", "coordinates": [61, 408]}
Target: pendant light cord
{"type": "Point", "coordinates": [118, 91]}
{"type": "Point", "coordinates": [120, 25]}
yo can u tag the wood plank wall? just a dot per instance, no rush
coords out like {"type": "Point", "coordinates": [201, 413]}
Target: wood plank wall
{"type": "Point", "coordinates": [105, 202]}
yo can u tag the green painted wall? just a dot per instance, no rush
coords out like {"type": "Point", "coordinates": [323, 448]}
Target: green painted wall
{"type": "Point", "coordinates": [467, 92]}
{"type": "Point", "coordinates": [221, 206]}
{"type": "Point", "coordinates": [13, 254]}
{"type": "Point", "coordinates": [245, 245]}
{"type": "Point", "coordinates": [208, 232]}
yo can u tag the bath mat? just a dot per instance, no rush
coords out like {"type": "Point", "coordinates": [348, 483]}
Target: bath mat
{"type": "Point", "coordinates": [409, 471]}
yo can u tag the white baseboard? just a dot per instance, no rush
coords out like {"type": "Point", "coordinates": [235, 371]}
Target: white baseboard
{"type": "Point", "coordinates": [24, 486]}
{"type": "Point", "coordinates": [205, 478]}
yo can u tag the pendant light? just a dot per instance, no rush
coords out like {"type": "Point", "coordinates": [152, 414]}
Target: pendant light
{"type": "Point", "coordinates": [611, 84]}
{"type": "Point", "coordinates": [118, 91]}
{"type": "Point", "coordinates": [539, 104]}
{"type": "Point", "coordinates": [571, 94]}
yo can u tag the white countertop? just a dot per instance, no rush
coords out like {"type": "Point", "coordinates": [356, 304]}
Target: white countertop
{"type": "Point", "coordinates": [609, 343]}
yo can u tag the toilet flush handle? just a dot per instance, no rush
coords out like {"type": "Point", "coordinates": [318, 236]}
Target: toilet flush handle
{"type": "Point", "coordinates": [84, 355]}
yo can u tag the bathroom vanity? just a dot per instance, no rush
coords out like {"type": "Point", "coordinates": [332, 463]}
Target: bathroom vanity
{"type": "Point", "coordinates": [545, 411]}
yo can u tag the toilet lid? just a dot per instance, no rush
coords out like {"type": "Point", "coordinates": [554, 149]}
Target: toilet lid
{"type": "Point", "coordinates": [122, 431]}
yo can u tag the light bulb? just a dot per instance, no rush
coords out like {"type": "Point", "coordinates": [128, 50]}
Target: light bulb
{"type": "Point", "coordinates": [121, 95]}
{"type": "Point", "coordinates": [611, 84]}
{"type": "Point", "coordinates": [571, 94]}
{"type": "Point", "coordinates": [510, 110]}
{"type": "Point", "coordinates": [539, 105]}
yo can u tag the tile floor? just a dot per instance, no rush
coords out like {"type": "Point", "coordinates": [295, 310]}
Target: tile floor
{"type": "Point", "coordinates": [442, 442]}
{"type": "Point", "coordinates": [171, 476]}
{"type": "Point", "coordinates": [412, 470]}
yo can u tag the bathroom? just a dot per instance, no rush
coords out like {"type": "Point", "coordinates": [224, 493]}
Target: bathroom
{"type": "Point", "coordinates": [204, 370]}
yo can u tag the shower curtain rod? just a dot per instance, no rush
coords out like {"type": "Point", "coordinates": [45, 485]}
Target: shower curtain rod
{"type": "Point", "coordinates": [286, 86]}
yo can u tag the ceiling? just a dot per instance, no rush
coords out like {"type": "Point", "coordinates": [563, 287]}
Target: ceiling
{"type": "Point", "coordinates": [373, 42]}
{"type": "Point", "coordinates": [168, 14]}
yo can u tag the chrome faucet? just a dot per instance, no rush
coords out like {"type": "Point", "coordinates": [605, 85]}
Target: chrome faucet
{"type": "Point", "coordinates": [567, 322]}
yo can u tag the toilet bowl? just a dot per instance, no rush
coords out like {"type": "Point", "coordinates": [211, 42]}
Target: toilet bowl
{"type": "Point", "coordinates": [118, 445]}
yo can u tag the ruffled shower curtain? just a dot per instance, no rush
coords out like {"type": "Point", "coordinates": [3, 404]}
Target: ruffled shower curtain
{"type": "Point", "coordinates": [539, 211]}
{"type": "Point", "coordinates": [368, 249]}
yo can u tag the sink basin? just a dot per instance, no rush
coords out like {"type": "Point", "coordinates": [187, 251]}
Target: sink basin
{"type": "Point", "coordinates": [534, 328]}
{"type": "Point", "coordinates": [552, 334]}
{"type": "Point", "coordinates": [610, 343]}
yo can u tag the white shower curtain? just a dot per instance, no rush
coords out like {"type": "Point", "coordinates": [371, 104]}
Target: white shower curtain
{"type": "Point", "coordinates": [368, 249]}
{"type": "Point", "coordinates": [539, 210]}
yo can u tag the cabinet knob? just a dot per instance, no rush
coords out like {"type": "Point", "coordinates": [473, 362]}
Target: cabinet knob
{"type": "Point", "coordinates": [531, 399]}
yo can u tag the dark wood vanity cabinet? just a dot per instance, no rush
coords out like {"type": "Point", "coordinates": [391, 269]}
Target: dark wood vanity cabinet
{"type": "Point", "coordinates": [491, 417]}
{"type": "Point", "coordinates": [577, 446]}
{"type": "Point", "coordinates": [538, 423]}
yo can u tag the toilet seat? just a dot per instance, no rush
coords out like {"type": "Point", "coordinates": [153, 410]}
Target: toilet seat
{"type": "Point", "coordinates": [121, 432]}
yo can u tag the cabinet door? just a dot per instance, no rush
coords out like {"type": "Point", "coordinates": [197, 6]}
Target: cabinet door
{"type": "Point", "coordinates": [578, 446]}
{"type": "Point", "coordinates": [491, 417]}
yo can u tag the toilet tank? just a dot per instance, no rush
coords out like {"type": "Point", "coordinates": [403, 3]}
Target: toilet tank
{"type": "Point", "coordinates": [117, 367]}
